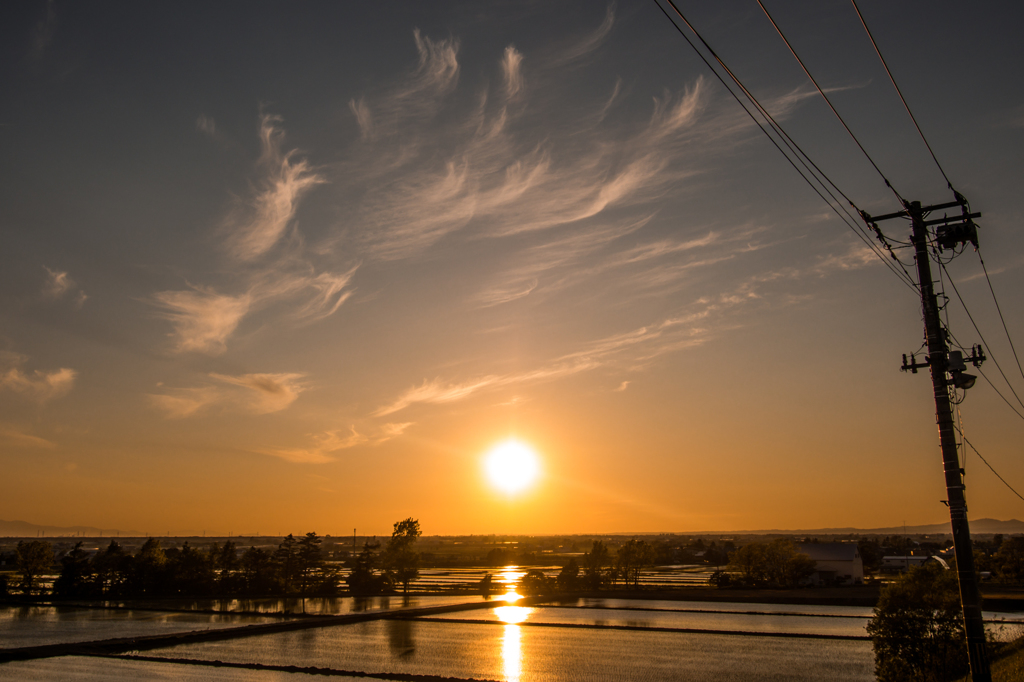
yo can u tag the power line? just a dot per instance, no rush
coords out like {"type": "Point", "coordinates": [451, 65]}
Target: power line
{"type": "Point", "coordinates": [1000, 311]}
{"type": "Point", "coordinates": [990, 466]}
{"type": "Point", "coordinates": [900, 93]}
{"type": "Point", "coordinates": [1005, 400]}
{"type": "Point", "coordinates": [829, 102]}
{"type": "Point", "coordinates": [980, 335]}
{"type": "Point", "coordinates": [794, 148]}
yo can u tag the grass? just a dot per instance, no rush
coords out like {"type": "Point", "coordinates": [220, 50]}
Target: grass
{"type": "Point", "coordinates": [1008, 663]}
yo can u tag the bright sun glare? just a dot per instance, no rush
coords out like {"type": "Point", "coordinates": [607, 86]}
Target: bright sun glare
{"type": "Point", "coordinates": [511, 466]}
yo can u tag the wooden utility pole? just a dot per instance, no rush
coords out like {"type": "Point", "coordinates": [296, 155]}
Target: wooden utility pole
{"type": "Point", "coordinates": [947, 370]}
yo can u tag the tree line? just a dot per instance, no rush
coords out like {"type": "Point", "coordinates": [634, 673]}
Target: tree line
{"type": "Point", "coordinates": [296, 567]}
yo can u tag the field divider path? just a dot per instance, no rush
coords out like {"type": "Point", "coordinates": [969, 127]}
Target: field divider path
{"type": "Point", "coordinates": [644, 628]}
{"type": "Point", "coordinates": [124, 644]}
{"type": "Point", "coordinates": [309, 670]}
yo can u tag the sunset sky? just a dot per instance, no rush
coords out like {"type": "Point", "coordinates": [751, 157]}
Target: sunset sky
{"type": "Point", "coordinates": [277, 267]}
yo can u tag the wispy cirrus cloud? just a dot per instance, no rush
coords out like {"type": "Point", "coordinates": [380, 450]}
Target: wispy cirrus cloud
{"type": "Point", "coordinates": [256, 226]}
{"type": "Point", "coordinates": [18, 438]}
{"type": "Point", "coordinates": [265, 270]}
{"type": "Point", "coordinates": [260, 393]}
{"type": "Point", "coordinates": [326, 444]}
{"type": "Point", "coordinates": [503, 184]}
{"type": "Point", "coordinates": [37, 385]}
{"type": "Point", "coordinates": [635, 349]}
{"type": "Point", "coordinates": [59, 284]}
{"type": "Point", "coordinates": [207, 125]}
{"type": "Point", "coordinates": [268, 392]}
{"type": "Point", "coordinates": [185, 402]}
{"type": "Point", "coordinates": [202, 318]}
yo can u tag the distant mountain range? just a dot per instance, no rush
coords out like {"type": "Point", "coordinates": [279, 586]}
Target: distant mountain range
{"type": "Point", "coordinates": [978, 526]}
{"type": "Point", "coordinates": [24, 529]}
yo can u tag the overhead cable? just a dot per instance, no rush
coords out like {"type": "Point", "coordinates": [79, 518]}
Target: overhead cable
{"type": "Point", "coordinates": [900, 93]}
{"type": "Point", "coordinates": [1000, 311]}
{"type": "Point", "coordinates": [980, 335]}
{"type": "Point", "coordinates": [991, 467]}
{"type": "Point", "coordinates": [829, 102]}
{"type": "Point", "coordinates": [794, 148]}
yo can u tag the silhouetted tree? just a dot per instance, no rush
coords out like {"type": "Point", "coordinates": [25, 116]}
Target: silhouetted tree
{"type": "Point", "coordinates": [631, 559]}
{"type": "Point", "coordinates": [111, 568]}
{"type": "Point", "coordinates": [225, 559]}
{"type": "Point", "coordinates": [310, 560]}
{"type": "Point", "coordinates": [593, 562]}
{"type": "Point", "coordinates": [286, 560]}
{"type": "Point", "coordinates": [486, 584]}
{"type": "Point", "coordinates": [257, 568]}
{"type": "Point", "coordinates": [190, 571]}
{"type": "Point", "coordinates": [500, 557]}
{"type": "Point", "coordinates": [1008, 561]}
{"type": "Point", "coordinates": [775, 563]}
{"type": "Point", "coordinates": [147, 569]}
{"type": "Point", "coordinates": [400, 559]}
{"type": "Point", "coordinates": [362, 580]}
{"type": "Point", "coordinates": [917, 630]}
{"type": "Point", "coordinates": [534, 583]}
{"type": "Point", "coordinates": [75, 573]}
{"type": "Point", "coordinates": [33, 558]}
{"type": "Point", "coordinates": [568, 579]}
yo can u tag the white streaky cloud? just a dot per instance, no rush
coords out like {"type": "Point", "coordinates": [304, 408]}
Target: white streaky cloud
{"type": "Point", "coordinates": [268, 392]}
{"type": "Point", "coordinates": [392, 430]}
{"type": "Point", "coordinates": [59, 284]}
{"type": "Point", "coordinates": [202, 319]}
{"type": "Point", "coordinates": [257, 393]}
{"type": "Point", "coordinates": [435, 392]}
{"type": "Point", "coordinates": [591, 42]}
{"type": "Point", "coordinates": [413, 101]}
{"type": "Point", "coordinates": [329, 442]}
{"type": "Point", "coordinates": [256, 228]}
{"type": "Point", "coordinates": [40, 386]}
{"type": "Point", "coordinates": [622, 387]}
{"type": "Point", "coordinates": [19, 438]}
{"type": "Point", "coordinates": [363, 116]}
{"type": "Point", "coordinates": [627, 351]}
{"type": "Point", "coordinates": [484, 173]}
{"type": "Point", "coordinates": [612, 99]}
{"type": "Point", "coordinates": [511, 68]}
{"type": "Point", "coordinates": [205, 124]}
{"type": "Point", "coordinates": [560, 253]}
{"type": "Point", "coordinates": [184, 402]}
{"type": "Point", "coordinates": [328, 293]}
{"type": "Point", "coordinates": [856, 258]}
{"type": "Point", "coordinates": [437, 73]}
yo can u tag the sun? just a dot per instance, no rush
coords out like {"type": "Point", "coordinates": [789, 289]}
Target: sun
{"type": "Point", "coordinates": [511, 466]}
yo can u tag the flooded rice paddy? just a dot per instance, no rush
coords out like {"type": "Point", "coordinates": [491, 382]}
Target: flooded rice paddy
{"type": "Point", "coordinates": [581, 639]}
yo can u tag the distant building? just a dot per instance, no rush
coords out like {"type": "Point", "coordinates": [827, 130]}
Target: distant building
{"type": "Point", "coordinates": [835, 563]}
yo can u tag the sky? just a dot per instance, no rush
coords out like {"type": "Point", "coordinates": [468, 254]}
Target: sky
{"type": "Point", "coordinates": [276, 267]}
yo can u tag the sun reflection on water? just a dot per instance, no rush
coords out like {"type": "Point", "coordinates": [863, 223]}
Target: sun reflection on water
{"type": "Point", "coordinates": [511, 651]}
{"type": "Point", "coordinates": [509, 577]}
{"type": "Point", "coordinates": [512, 614]}
{"type": "Point", "coordinates": [511, 643]}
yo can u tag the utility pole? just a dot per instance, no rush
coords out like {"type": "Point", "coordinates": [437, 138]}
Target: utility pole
{"type": "Point", "coordinates": [951, 232]}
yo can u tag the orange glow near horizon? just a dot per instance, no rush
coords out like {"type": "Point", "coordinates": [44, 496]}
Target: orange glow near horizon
{"type": "Point", "coordinates": [511, 466]}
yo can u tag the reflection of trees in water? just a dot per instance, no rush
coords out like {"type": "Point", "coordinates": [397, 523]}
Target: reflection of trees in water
{"type": "Point", "coordinates": [401, 638]}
